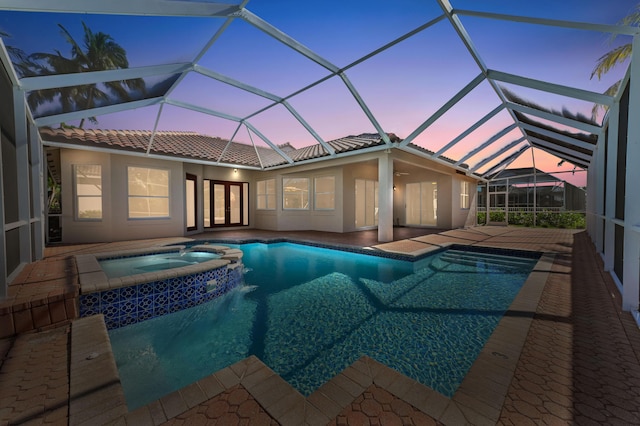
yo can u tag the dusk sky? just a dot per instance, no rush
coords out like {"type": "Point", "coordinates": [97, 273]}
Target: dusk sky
{"type": "Point", "coordinates": [402, 86]}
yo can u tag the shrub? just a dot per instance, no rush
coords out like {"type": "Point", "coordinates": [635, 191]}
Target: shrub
{"type": "Point", "coordinates": [544, 219]}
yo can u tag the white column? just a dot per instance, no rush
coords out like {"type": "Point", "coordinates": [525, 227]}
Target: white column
{"type": "Point", "coordinates": [22, 163]}
{"type": "Point", "coordinates": [385, 198]}
{"type": "Point", "coordinates": [610, 200]}
{"type": "Point", "coordinates": [486, 221]}
{"type": "Point", "coordinates": [631, 272]}
{"type": "Point", "coordinates": [595, 177]}
{"type": "Point", "coordinates": [4, 286]}
{"type": "Point", "coordinates": [37, 191]}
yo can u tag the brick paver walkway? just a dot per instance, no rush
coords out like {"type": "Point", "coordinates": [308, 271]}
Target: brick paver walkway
{"type": "Point", "coordinates": [233, 407]}
{"type": "Point", "coordinates": [34, 378]}
{"type": "Point", "coordinates": [376, 406]}
{"type": "Point", "coordinates": [580, 362]}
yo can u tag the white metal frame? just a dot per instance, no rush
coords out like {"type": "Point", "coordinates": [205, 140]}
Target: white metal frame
{"type": "Point", "coordinates": [600, 208]}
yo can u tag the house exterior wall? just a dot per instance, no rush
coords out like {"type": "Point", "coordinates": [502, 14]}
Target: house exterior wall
{"type": "Point", "coordinates": [282, 219]}
{"type": "Point", "coordinates": [460, 216]}
{"type": "Point", "coordinates": [115, 224]}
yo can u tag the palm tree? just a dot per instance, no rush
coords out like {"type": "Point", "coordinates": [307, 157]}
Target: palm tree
{"type": "Point", "coordinates": [20, 59]}
{"type": "Point", "coordinates": [99, 52]}
{"type": "Point", "coordinates": [614, 57]}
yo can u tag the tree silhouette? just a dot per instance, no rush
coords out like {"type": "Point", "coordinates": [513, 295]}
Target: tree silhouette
{"type": "Point", "coordinates": [614, 57]}
{"type": "Point", "coordinates": [99, 52]}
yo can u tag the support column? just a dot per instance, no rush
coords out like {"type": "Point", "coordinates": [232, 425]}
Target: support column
{"type": "Point", "coordinates": [486, 219]}
{"type": "Point", "coordinates": [610, 200]}
{"type": "Point", "coordinates": [4, 285]}
{"type": "Point", "coordinates": [595, 177]}
{"type": "Point", "coordinates": [631, 271]}
{"type": "Point", "coordinates": [385, 198]}
{"type": "Point", "coordinates": [22, 163]}
{"type": "Point", "coordinates": [37, 192]}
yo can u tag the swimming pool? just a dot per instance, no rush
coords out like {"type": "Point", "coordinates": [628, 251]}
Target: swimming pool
{"type": "Point", "coordinates": [309, 312]}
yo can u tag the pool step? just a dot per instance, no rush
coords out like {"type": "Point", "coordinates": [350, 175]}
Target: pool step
{"type": "Point", "coordinates": [488, 259]}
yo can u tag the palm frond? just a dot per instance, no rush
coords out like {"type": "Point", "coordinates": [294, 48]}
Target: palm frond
{"type": "Point", "coordinates": [610, 59]}
{"type": "Point", "coordinates": [611, 91]}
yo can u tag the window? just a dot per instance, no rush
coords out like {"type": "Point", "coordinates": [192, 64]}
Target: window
{"type": "Point", "coordinates": [191, 202]}
{"type": "Point", "coordinates": [464, 195]}
{"type": "Point", "coordinates": [88, 183]}
{"type": "Point", "coordinates": [206, 202]}
{"type": "Point", "coordinates": [148, 192]}
{"type": "Point", "coordinates": [266, 194]}
{"type": "Point", "coordinates": [295, 193]}
{"type": "Point", "coordinates": [325, 193]}
{"type": "Point", "coordinates": [366, 203]}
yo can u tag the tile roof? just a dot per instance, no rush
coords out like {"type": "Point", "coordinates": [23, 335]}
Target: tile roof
{"type": "Point", "coordinates": [191, 145]}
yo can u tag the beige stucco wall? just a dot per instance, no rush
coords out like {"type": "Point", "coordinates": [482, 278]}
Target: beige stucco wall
{"type": "Point", "coordinates": [308, 219]}
{"type": "Point", "coordinates": [115, 224]}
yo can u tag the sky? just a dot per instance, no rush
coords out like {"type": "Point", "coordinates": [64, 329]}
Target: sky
{"type": "Point", "coordinates": [402, 86]}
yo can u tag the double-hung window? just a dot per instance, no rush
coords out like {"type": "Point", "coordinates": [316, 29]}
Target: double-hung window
{"type": "Point", "coordinates": [148, 192]}
{"type": "Point", "coordinates": [325, 193]}
{"type": "Point", "coordinates": [88, 184]}
{"type": "Point", "coordinates": [266, 194]}
{"type": "Point", "coordinates": [464, 195]}
{"type": "Point", "coordinates": [295, 193]}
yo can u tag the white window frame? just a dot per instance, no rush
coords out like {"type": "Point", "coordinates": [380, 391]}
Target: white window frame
{"type": "Point", "coordinates": [465, 188]}
{"type": "Point", "coordinates": [167, 197]}
{"type": "Point", "coordinates": [262, 194]}
{"type": "Point", "coordinates": [285, 197]}
{"type": "Point", "coordinates": [316, 193]}
{"type": "Point", "coordinates": [78, 196]}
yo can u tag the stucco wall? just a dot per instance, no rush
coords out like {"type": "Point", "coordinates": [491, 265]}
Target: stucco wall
{"type": "Point", "coordinates": [305, 219]}
{"type": "Point", "coordinates": [115, 224]}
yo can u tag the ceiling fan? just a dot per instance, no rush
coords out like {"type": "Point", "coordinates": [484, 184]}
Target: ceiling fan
{"type": "Point", "coordinates": [397, 173]}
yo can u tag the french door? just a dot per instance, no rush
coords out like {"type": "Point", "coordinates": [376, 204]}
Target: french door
{"type": "Point", "coordinates": [226, 203]}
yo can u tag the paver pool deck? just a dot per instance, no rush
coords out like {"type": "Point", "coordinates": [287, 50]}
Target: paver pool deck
{"type": "Point", "coordinates": [564, 353]}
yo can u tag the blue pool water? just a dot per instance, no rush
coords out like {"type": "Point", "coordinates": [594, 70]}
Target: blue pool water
{"type": "Point", "coordinates": [125, 266]}
{"type": "Point", "coordinates": [309, 312]}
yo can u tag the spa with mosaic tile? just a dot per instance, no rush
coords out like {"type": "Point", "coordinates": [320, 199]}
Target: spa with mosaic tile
{"type": "Point", "coordinates": [135, 298]}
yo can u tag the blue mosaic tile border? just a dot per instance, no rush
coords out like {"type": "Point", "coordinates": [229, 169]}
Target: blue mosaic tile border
{"type": "Point", "coordinates": [129, 305]}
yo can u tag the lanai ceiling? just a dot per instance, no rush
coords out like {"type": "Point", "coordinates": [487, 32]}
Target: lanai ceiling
{"type": "Point", "coordinates": [473, 84]}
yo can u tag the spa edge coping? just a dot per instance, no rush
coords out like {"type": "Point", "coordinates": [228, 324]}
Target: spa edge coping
{"type": "Point", "coordinates": [93, 279]}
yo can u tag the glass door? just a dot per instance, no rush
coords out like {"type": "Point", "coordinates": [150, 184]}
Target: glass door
{"type": "Point", "coordinates": [421, 206]}
{"type": "Point", "coordinates": [229, 204]}
{"type": "Point", "coordinates": [191, 202]}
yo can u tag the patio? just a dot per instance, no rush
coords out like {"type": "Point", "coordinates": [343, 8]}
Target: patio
{"type": "Point", "coordinates": [565, 353]}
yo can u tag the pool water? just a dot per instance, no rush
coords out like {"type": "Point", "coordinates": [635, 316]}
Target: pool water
{"type": "Point", "coordinates": [310, 312]}
{"type": "Point", "coordinates": [125, 266]}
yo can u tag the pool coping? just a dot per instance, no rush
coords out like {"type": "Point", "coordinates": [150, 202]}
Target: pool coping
{"type": "Point", "coordinates": [478, 399]}
{"type": "Point", "coordinates": [93, 279]}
